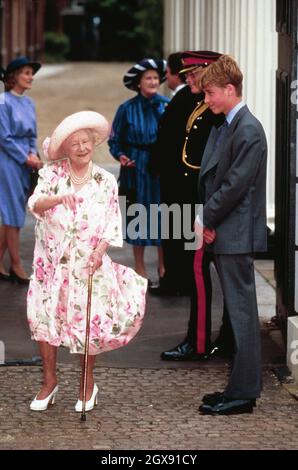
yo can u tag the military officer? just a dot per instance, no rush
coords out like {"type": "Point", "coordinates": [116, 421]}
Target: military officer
{"type": "Point", "coordinates": [183, 133]}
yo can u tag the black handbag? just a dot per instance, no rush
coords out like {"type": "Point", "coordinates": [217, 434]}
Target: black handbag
{"type": "Point", "coordinates": [33, 181]}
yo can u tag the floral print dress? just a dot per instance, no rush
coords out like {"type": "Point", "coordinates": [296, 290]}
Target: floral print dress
{"type": "Point", "coordinates": [57, 295]}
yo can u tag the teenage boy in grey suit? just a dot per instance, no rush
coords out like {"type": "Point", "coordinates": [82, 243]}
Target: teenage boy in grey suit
{"type": "Point", "coordinates": [232, 186]}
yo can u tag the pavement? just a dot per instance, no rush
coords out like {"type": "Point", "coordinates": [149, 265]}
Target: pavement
{"type": "Point", "coordinates": [144, 403]}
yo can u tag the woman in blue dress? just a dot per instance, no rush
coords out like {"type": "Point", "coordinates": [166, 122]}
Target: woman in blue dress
{"type": "Point", "coordinates": [18, 157]}
{"type": "Point", "coordinates": [132, 138]}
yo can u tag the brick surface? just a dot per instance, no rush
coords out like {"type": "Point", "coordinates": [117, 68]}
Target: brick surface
{"type": "Point", "coordinates": [142, 409]}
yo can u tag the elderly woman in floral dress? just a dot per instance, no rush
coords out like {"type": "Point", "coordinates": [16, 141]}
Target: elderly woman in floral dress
{"type": "Point", "coordinates": [78, 218]}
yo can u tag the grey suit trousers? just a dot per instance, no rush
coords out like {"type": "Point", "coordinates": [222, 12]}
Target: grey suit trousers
{"type": "Point", "coordinates": [236, 273]}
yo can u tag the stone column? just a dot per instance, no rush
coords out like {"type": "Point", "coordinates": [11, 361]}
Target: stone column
{"type": "Point", "coordinates": [173, 26]}
{"type": "Point", "coordinates": [246, 30]}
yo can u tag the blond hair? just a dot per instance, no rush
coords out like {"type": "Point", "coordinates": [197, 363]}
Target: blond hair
{"type": "Point", "coordinates": [222, 72]}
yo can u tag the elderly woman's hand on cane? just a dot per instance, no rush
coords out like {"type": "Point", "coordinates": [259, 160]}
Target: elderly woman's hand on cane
{"type": "Point", "coordinates": [95, 260]}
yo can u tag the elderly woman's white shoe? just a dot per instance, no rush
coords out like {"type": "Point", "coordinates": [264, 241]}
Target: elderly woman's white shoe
{"type": "Point", "coordinates": [42, 405]}
{"type": "Point", "coordinates": [90, 403]}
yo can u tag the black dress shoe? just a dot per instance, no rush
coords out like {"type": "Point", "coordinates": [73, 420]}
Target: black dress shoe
{"type": "Point", "coordinates": [183, 352]}
{"type": "Point", "coordinates": [216, 397]}
{"type": "Point", "coordinates": [212, 398]}
{"type": "Point", "coordinates": [20, 280]}
{"type": "Point", "coordinates": [228, 407]}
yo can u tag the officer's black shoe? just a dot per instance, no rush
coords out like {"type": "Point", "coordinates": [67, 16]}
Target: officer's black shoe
{"type": "Point", "coordinates": [228, 407]}
{"type": "Point", "coordinates": [183, 352]}
{"type": "Point", "coordinates": [212, 398]}
{"type": "Point", "coordinates": [216, 397]}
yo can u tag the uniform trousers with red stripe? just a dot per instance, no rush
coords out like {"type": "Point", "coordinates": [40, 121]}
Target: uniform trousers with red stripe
{"type": "Point", "coordinates": [199, 325]}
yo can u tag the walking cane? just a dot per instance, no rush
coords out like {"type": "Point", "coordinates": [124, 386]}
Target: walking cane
{"type": "Point", "coordinates": [85, 367]}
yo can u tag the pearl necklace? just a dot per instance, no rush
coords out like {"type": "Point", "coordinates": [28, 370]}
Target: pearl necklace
{"type": "Point", "coordinates": [80, 180]}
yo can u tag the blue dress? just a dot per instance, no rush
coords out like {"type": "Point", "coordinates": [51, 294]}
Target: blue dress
{"type": "Point", "coordinates": [17, 140]}
{"type": "Point", "coordinates": [134, 131]}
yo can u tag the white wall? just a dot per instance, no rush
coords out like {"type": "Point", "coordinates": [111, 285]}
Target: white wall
{"type": "Point", "coordinates": [246, 30]}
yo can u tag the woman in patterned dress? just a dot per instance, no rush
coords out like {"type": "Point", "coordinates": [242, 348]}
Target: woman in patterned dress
{"type": "Point", "coordinates": [134, 133]}
{"type": "Point", "coordinates": [18, 156]}
{"type": "Point", "coordinates": [78, 218]}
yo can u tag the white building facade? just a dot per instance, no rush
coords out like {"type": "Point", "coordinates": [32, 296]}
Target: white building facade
{"type": "Point", "coordinates": [246, 30]}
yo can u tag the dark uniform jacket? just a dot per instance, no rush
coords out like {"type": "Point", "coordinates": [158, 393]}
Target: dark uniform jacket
{"type": "Point", "coordinates": [178, 150]}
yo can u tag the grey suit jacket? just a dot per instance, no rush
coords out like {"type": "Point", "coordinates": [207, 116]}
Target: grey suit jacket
{"type": "Point", "coordinates": [232, 186]}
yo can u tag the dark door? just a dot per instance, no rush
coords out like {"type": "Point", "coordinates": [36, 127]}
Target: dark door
{"type": "Point", "coordinates": [286, 180]}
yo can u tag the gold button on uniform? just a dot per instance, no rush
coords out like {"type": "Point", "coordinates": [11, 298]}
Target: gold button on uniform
{"type": "Point", "coordinates": [195, 127]}
{"type": "Point", "coordinates": [185, 174]}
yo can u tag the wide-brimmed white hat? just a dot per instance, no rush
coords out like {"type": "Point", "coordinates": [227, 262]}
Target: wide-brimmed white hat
{"type": "Point", "coordinates": [98, 124]}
